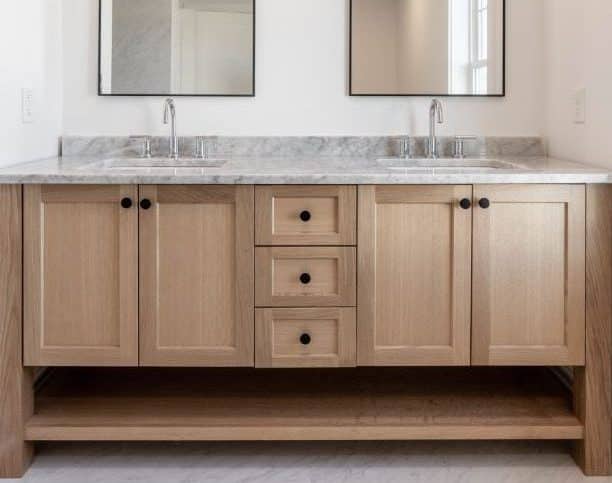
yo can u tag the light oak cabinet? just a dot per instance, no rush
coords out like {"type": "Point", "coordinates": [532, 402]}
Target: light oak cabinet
{"type": "Point", "coordinates": [414, 270]}
{"type": "Point", "coordinates": [529, 275]}
{"type": "Point", "coordinates": [80, 275]}
{"type": "Point", "coordinates": [196, 276]}
{"type": "Point", "coordinates": [171, 276]}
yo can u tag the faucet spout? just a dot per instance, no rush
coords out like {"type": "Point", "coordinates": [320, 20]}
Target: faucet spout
{"type": "Point", "coordinates": [436, 115]}
{"type": "Point", "coordinates": [170, 116]}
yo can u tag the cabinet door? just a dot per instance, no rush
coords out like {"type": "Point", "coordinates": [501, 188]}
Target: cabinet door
{"type": "Point", "coordinates": [80, 275]}
{"type": "Point", "coordinates": [414, 275]}
{"type": "Point", "coordinates": [529, 275]}
{"type": "Point", "coordinates": [196, 276]}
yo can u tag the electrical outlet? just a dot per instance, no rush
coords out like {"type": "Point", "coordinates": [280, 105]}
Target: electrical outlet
{"type": "Point", "coordinates": [27, 105]}
{"type": "Point", "coordinates": [580, 106]}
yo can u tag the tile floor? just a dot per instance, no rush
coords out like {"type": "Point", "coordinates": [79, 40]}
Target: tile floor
{"type": "Point", "coordinates": [429, 462]}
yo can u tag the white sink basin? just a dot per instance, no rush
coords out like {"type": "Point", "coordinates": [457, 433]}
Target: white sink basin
{"type": "Point", "coordinates": [147, 163]}
{"type": "Point", "coordinates": [445, 164]}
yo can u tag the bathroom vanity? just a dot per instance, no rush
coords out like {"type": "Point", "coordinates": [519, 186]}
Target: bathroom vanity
{"type": "Point", "coordinates": [289, 299]}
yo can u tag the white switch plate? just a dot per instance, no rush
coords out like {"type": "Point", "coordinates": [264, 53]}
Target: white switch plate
{"type": "Point", "coordinates": [27, 105]}
{"type": "Point", "coordinates": [580, 106]}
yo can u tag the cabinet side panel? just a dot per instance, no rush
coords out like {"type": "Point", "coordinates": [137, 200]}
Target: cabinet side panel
{"type": "Point", "coordinates": [16, 398]}
{"type": "Point", "coordinates": [593, 383]}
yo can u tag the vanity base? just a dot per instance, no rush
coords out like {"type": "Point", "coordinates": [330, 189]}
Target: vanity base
{"type": "Point", "coordinates": [353, 404]}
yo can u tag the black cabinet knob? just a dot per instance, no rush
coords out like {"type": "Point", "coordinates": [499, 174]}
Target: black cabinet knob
{"type": "Point", "coordinates": [305, 216]}
{"type": "Point", "coordinates": [484, 203]}
{"type": "Point", "coordinates": [305, 339]}
{"type": "Point", "coordinates": [465, 204]}
{"type": "Point", "coordinates": [145, 204]}
{"type": "Point", "coordinates": [305, 278]}
{"type": "Point", "coordinates": [126, 203]}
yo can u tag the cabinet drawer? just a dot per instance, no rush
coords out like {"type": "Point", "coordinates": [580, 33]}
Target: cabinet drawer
{"type": "Point", "coordinates": [305, 277]}
{"type": "Point", "coordinates": [305, 337]}
{"type": "Point", "coordinates": [306, 215]}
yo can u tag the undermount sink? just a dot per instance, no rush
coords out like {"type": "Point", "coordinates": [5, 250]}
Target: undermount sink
{"type": "Point", "coordinates": [147, 163]}
{"type": "Point", "coordinates": [424, 163]}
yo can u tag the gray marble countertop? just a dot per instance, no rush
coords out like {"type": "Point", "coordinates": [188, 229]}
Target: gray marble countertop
{"type": "Point", "coordinates": [299, 170]}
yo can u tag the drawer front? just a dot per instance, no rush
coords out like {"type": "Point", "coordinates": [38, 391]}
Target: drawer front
{"type": "Point", "coordinates": [306, 215]}
{"type": "Point", "coordinates": [305, 337]}
{"type": "Point", "coordinates": [305, 277]}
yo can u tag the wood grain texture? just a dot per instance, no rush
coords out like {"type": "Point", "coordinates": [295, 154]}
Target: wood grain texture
{"type": "Point", "coordinates": [196, 276]}
{"type": "Point", "coordinates": [342, 404]}
{"type": "Point", "coordinates": [332, 208]}
{"type": "Point", "coordinates": [414, 275]}
{"type": "Point", "coordinates": [332, 332]}
{"type": "Point", "coordinates": [529, 275]}
{"type": "Point", "coordinates": [16, 393]}
{"type": "Point", "coordinates": [278, 271]}
{"type": "Point", "coordinates": [80, 275]}
{"type": "Point", "coordinates": [593, 382]}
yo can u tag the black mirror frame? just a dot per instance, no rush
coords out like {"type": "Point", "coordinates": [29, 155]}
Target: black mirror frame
{"type": "Point", "coordinates": [350, 75]}
{"type": "Point", "coordinates": [101, 94]}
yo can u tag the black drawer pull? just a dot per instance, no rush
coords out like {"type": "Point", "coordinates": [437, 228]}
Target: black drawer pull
{"type": "Point", "coordinates": [305, 278]}
{"type": "Point", "coordinates": [305, 216]}
{"type": "Point", "coordinates": [145, 204]}
{"type": "Point", "coordinates": [484, 203]}
{"type": "Point", "coordinates": [465, 204]}
{"type": "Point", "coordinates": [305, 339]}
{"type": "Point", "coordinates": [126, 203]}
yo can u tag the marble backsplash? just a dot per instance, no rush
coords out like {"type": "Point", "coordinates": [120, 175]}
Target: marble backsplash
{"type": "Point", "coordinates": [316, 146]}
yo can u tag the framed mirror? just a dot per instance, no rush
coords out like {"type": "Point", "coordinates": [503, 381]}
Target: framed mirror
{"type": "Point", "coordinates": [427, 48]}
{"type": "Point", "coordinates": [177, 48]}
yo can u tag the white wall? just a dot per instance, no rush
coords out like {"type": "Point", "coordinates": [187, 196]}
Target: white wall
{"type": "Point", "coordinates": [30, 56]}
{"type": "Point", "coordinates": [578, 43]}
{"type": "Point", "coordinates": [302, 82]}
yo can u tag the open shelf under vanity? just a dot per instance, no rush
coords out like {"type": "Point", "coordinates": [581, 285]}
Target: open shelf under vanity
{"type": "Point", "coordinates": [341, 404]}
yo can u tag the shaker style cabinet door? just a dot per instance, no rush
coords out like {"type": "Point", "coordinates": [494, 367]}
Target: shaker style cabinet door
{"type": "Point", "coordinates": [196, 276]}
{"type": "Point", "coordinates": [80, 275]}
{"type": "Point", "coordinates": [529, 275]}
{"type": "Point", "coordinates": [414, 268]}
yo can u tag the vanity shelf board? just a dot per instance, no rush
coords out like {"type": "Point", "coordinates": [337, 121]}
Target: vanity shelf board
{"type": "Point", "coordinates": [292, 405]}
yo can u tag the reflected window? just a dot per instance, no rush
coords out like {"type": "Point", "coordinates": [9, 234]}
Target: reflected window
{"type": "Point", "coordinates": [480, 42]}
{"type": "Point", "coordinates": [427, 47]}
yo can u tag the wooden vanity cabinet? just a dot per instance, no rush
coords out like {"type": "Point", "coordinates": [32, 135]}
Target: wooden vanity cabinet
{"type": "Point", "coordinates": [529, 275]}
{"type": "Point", "coordinates": [196, 276]}
{"type": "Point", "coordinates": [414, 272]}
{"type": "Point", "coordinates": [80, 275]}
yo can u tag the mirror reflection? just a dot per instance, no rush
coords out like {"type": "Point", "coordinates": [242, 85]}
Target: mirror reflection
{"type": "Point", "coordinates": [427, 47]}
{"type": "Point", "coordinates": [177, 47]}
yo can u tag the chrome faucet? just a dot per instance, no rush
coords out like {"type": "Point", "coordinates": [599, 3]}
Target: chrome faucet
{"type": "Point", "coordinates": [170, 111]}
{"type": "Point", "coordinates": [436, 114]}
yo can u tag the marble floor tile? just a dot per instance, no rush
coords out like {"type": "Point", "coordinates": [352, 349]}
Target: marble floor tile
{"type": "Point", "coordinates": [430, 462]}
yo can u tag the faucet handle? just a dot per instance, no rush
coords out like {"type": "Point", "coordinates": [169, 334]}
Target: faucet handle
{"type": "Point", "coordinates": [405, 148]}
{"type": "Point", "coordinates": [459, 145]}
{"type": "Point", "coordinates": [201, 149]}
{"type": "Point", "coordinates": [146, 145]}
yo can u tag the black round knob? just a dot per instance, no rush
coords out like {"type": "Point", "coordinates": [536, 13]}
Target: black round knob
{"type": "Point", "coordinates": [145, 204]}
{"type": "Point", "coordinates": [305, 278]}
{"type": "Point", "coordinates": [484, 203]}
{"type": "Point", "coordinates": [305, 339]}
{"type": "Point", "coordinates": [465, 204]}
{"type": "Point", "coordinates": [126, 203]}
{"type": "Point", "coordinates": [305, 216]}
